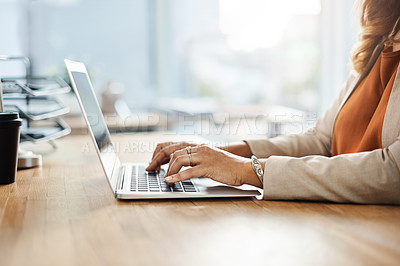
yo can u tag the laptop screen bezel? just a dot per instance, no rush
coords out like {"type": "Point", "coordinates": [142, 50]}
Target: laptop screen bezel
{"type": "Point", "coordinates": [113, 175]}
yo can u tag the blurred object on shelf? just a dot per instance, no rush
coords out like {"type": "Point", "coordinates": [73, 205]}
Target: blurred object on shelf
{"type": "Point", "coordinates": [24, 59]}
{"type": "Point", "coordinates": [37, 108]}
{"type": "Point", "coordinates": [34, 98]}
{"type": "Point", "coordinates": [190, 106]}
{"type": "Point", "coordinates": [110, 95]}
{"type": "Point", "coordinates": [44, 130]}
{"type": "Point", "coordinates": [36, 86]}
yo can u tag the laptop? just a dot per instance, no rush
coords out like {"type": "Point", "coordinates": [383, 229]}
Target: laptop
{"type": "Point", "coordinates": [130, 180]}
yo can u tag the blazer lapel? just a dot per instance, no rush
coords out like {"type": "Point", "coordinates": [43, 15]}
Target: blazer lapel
{"type": "Point", "coordinates": [357, 80]}
{"type": "Point", "coordinates": [391, 122]}
{"type": "Point", "coordinates": [375, 54]}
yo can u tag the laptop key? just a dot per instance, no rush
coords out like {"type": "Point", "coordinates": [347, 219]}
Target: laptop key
{"type": "Point", "coordinates": [133, 170]}
{"type": "Point", "coordinates": [133, 178]}
{"type": "Point", "coordinates": [177, 187]}
{"type": "Point", "coordinates": [141, 169]}
{"type": "Point", "coordinates": [161, 173]}
{"type": "Point", "coordinates": [188, 186]}
{"type": "Point", "coordinates": [151, 173]}
{"type": "Point", "coordinates": [133, 186]}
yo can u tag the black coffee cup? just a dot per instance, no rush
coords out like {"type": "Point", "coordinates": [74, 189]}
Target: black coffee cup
{"type": "Point", "coordinates": [10, 124]}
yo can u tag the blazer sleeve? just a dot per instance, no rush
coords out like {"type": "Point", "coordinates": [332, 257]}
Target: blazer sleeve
{"type": "Point", "coordinates": [299, 167]}
{"type": "Point", "coordinates": [366, 177]}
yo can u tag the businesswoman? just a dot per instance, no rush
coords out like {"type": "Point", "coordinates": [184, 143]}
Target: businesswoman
{"type": "Point", "coordinates": [351, 155]}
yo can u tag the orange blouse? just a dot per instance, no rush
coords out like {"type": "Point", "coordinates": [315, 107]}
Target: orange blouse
{"type": "Point", "coordinates": [358, 126]}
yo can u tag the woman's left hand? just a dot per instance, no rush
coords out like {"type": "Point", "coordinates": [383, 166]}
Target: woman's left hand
{"type": "Point", "coordinates": [213, 163]}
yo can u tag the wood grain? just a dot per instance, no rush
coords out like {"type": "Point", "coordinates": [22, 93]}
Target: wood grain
{"type": "Point", "coordinates": [64, 214]}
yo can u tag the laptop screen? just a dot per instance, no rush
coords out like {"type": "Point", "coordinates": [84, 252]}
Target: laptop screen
{"type": "Point", "coordinates": [94, 117]}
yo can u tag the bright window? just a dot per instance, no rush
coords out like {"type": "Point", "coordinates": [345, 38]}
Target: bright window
{"type": "Point", "coordinates": [232, 51]}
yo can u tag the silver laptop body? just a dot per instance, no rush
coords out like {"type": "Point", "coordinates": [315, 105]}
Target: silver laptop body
{"type": "Point", "coordinates": [131, 181]}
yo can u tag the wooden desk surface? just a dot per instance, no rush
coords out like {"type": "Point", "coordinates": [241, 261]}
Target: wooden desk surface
{"type": "Point", "coordinates": [64, 214]}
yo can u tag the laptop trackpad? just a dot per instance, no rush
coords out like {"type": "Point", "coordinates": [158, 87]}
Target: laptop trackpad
{"type": "Point", "coordinates": [206, 182]}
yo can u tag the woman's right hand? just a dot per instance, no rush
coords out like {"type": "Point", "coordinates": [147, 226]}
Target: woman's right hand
{"type": "Point", "coordinates": [163, 151]}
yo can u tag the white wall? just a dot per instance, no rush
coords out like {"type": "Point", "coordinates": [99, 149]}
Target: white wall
{"type": "Point", "coordinates": [11, 32]}
{"type": "Point", "coordinates": [339, 34]}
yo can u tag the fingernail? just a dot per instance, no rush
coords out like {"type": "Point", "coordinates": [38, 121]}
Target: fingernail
{"type": "Point", "coordinates": [168, 178]}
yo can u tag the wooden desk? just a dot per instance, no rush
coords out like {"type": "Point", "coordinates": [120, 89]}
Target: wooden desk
{"type": "Point", "coordinates": [64, 214]}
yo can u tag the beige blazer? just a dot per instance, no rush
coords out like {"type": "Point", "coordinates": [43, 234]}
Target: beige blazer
{"type": "Point", "coordinates": [300, 167]}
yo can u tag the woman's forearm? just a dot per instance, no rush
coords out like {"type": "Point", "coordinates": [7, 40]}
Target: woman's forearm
{"type": "Point", "coordinates": [238, 148]}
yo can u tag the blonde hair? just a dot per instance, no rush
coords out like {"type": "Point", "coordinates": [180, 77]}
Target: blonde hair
{"type": "Point", "coordinates": [380, 21]}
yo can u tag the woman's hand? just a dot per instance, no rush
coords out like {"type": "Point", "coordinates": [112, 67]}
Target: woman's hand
{"type": "Point", "coordinates": [163, 151]}
{"type": "Point", "coordinates": [213, 163]}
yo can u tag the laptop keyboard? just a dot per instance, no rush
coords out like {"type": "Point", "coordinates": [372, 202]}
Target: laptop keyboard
{"type": "Point", "coordinates": [153, 181]}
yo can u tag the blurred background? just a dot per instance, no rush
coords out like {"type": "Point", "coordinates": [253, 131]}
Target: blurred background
{"type": "Point", "coordinates": [224, 61]}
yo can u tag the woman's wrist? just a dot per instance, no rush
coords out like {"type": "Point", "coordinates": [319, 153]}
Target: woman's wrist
{"type": "Point", "coordinates": [249, 175]}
